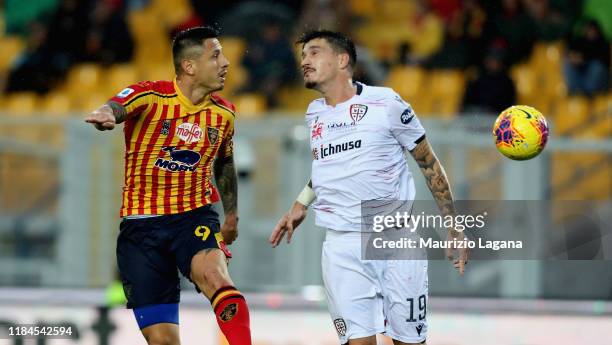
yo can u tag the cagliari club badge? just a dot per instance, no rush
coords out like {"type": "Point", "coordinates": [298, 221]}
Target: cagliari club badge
{"type": "Point", "coordinates": [357, 112]}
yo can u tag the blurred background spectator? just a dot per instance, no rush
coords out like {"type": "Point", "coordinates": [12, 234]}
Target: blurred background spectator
{"type": "Point", "coordinates": [40, 66]}
{"type": "Point", "coordinates": [587, 64]}
{"type": "Point", "coordinates": [514, 28]}
{"type": "Point", "coordinates": [108, 38]}
{"type": "Point", "coordinates": [551, 23]}
{"type": "Point", "coordinates": [493, 90]}
{"type": "Point", "coordinates": [270, 62]}
{"type": "Point", "coordinates": [424, 34]}
{"type": "Point", "coordinates": [560, 47]}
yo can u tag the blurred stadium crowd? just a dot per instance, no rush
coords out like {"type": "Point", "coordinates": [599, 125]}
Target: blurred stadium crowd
{"type": "Point", "coordinates": [444, 56]}
{"type": "Point", "coordinates": [63, 58]}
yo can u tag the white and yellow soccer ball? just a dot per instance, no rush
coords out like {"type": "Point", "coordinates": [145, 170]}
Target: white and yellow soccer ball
{"type": "Point", "coordinates": [520, 132]}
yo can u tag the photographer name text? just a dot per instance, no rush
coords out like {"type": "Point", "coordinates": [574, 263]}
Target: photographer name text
{"type": "Point", "coordinates": [409, 243]}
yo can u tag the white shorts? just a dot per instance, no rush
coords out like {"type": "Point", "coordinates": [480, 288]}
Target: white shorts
{"type": "Point", "coordinates": [367, 297]}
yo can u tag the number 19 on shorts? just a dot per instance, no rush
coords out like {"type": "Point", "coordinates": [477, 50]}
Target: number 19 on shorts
{"type": "Point", "coordinates": [421, 311]}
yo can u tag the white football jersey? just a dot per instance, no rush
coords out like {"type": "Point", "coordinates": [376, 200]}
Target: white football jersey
{"type": "Point", "coordinates": [358, 154]}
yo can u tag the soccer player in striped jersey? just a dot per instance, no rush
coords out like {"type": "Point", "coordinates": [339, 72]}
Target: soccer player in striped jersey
{"type": "Point", "coordinates": [178, 134]}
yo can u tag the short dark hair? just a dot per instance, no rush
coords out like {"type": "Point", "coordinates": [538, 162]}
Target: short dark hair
{"type": "Point", "coordinates": [186, 39]}
{"type": "Point", "coordinates": [339, 42]}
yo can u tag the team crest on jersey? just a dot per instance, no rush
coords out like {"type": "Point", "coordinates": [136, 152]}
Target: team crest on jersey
{"type": "Point", "coordinates": [189, 132]}
{"type": "Point", "coordinates": [358, 111]}
{"type": "Point", "coordinates": [213, 135]}
{"type": "Point", "coordinates": [340, 326]}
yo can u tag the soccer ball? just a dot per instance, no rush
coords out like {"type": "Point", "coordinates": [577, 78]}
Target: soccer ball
{"type": "Point", "coordinates": [520, 132]}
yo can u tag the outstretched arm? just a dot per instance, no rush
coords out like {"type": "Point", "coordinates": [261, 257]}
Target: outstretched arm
{"type": "Point", "coordinates": [437, 182]}
{"type": "Point", "coordinates": [107, 116]}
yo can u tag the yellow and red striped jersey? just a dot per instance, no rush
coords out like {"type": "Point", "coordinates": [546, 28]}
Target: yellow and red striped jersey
{"type": "Point", "coordinates": [170, 146]}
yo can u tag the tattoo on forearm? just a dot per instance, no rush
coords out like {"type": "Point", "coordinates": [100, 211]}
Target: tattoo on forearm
{"type": "Point", "coordinates": [227, 181]}
{"type": "Point", "coordinates": [435, 177]}
{"type": "Point", "coordinates": [119, 111]}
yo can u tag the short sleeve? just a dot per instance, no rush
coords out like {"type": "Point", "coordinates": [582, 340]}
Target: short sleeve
{"type": "Point", "coordinates": [404, 124]}
{"type": "Point", "coordinates": [134, 98]}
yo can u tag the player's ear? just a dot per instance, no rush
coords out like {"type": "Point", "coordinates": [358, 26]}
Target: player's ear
{"type": "Point", "coordinates": [343, 61]}
{"type": "Point", "coordinates": [187, 65]}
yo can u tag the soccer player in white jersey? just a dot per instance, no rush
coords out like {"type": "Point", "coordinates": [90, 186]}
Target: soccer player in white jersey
{"type": "Point", "coordinates": [359, 134]}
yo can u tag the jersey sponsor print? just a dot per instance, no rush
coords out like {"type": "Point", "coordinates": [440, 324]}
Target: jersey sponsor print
{"type": "Point", "coordinates": [170, 145]}
{"type": "Point", "coordinates": [358, 151]}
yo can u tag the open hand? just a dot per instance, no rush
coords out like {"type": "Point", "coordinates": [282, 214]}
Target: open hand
{"type": "Point", "coordinates": [287, 224]}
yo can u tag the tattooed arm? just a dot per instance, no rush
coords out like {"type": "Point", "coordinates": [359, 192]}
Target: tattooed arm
{"type": "Point", "coordinates": [227, 182]}
{"type": "Point", "coordinates": [119, 111]}
{"type": "Point", "coordinates": [437, 182]}
{"type": "Point", "coordinates": [107, 116]}
{"type": "Point", "coordinates": [435, 177]}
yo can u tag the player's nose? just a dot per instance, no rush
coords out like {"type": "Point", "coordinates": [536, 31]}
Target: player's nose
{"type": "Point", "coordinates": [225, 62]}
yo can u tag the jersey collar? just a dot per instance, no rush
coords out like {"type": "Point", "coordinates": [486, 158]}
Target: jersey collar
{"type": "Point", "coordinates": [358, 91]}
{"type": "Point", "coordinates": [187, 102]}
{"type": "Point", "coordinates": [359, 87]}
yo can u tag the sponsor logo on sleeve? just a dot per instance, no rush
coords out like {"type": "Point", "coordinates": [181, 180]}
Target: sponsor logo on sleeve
{"type": "Point", "coordinates": [125, 92]}
{"type": "Point", "coordinates": [407, 115]}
